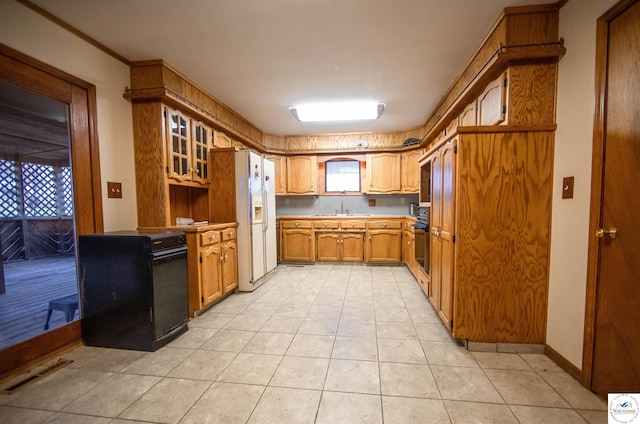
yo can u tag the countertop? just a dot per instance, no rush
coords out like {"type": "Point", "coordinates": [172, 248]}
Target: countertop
{"type": "Point", "coordinates": [194, 228]}
{"type": "Point", "coordinates": [340, 216]}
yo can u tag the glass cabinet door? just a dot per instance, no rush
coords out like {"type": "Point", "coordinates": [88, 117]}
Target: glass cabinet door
{"type": "Point", "coordinates": [179, 146]}
{"type": "Point", "coordinates": [202, 135]}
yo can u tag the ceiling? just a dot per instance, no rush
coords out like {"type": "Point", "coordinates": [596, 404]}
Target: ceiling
{"type": "Point", "coordinates": [261, 57]}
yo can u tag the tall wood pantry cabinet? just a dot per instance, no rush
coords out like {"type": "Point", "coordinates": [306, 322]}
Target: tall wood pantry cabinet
{"type": "Point", "coordinates": [490, 223]}
{"type": "Point", "coordinates": [487, 177]}
{"type": "Point", "coordinates": [442, 165]}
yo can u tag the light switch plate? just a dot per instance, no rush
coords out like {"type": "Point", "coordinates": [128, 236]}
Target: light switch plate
{"type": "Point", "coordinates": [114, 190]}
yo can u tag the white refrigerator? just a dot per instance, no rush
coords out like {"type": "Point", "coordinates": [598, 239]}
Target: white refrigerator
{"type": "Point", "coordinates": [256, 216]}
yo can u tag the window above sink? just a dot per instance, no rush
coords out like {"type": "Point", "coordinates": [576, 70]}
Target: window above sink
{"type": "Point", "coordinates": [342, 176]}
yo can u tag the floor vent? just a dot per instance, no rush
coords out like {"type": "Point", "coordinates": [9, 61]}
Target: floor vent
{"type": "Point", "coordinates": [295, 266]}
{"type": "Point", "coordinates": [37, 374]}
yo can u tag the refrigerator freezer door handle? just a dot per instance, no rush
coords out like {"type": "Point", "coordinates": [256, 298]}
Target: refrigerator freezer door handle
{"type": "Point", "coordinates": [265, 222]}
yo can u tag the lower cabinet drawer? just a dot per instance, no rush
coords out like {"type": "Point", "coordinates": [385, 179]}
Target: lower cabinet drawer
{"type": "Point", "coordinates": [209, 237]}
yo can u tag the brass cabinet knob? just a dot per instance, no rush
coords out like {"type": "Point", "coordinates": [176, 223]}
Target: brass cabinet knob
{"type": "Point", "coordinates": [612, 232]}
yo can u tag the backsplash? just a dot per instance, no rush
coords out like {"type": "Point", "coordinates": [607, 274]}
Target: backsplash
{"type": "Point", "coordinates": [386, 204]}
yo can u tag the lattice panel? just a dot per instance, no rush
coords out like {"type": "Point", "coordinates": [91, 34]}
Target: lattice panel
{"type": "Point", "coordinates": [31, 191]}
{"type": "Point", "coordinates": [8, 190]}
{"type": "Point", "coordinates": [39, 186]}
{"type": "Point", "coordinates": [66, 188]}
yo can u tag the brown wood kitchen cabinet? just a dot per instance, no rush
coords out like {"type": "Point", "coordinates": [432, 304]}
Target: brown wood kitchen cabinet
{"type": "Point", "coordinates": [441, 230]}
{"type": "Point", "coordinates": [408, 245]}
{"type": "Point", "coordinates": [410, 182]}
{"type": "Point", "coordinates": [339, 241]}
{"type": "Point", "coordinates": [188, 144]}
{"type": "Point", "coordinates": [489, 185]}
{"type": "Point", "coordinates": [171, 177]}
{"type": "Point", "coordinates": [383, 173]}
{"type": "Point", "coordinates": [340, 247]}
{"type": "Point", "coordinates": [352, 247]}
{"type": "Point", "coordinates": [490, 215]}
{"type": "Point", "coordinates": [492, 103]}
{"type": "Point", "coordinates": [328, 247]}
{"type": "Point", "coordinates": [209, 255]}
{"type": "Point", "coordinates": [229, 259]}
{"type": "Point", "coordinates": [383, 242]}
{"type": "Point", "coordinates": [280, 164]}
{"type": "Point", "coordinates": [297, 241]}
{"type": "Point", "coordinates": [302, 175]}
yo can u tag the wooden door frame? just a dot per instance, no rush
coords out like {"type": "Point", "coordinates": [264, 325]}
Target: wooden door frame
{"type": "Point", "coordinates": [597, 167]}
{"type": "Point", "coordinates": [32, 74]}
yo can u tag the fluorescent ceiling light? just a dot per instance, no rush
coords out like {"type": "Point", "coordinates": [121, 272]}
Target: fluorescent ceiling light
{"type": "Point", "coordinates": [339, 111]}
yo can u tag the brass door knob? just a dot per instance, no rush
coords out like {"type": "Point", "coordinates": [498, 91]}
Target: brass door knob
{"type": "Point", "coordinates": [612, 232]}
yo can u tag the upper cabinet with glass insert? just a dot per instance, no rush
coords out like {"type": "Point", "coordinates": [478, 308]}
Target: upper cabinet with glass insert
{"type": "Point", "coordinates": [188, 147]}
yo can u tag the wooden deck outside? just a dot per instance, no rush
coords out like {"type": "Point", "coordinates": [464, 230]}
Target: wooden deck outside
{"type": "Point", "coordinates": [30, 285]}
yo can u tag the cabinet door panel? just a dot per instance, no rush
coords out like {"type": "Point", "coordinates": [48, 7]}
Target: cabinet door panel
{"type": "Point", "coordinates": [302, 173]}
{"type": "Point", "coordinates": [179, 150]}
{"type": "Point", "coordinates": [435, 224]}
{"type": "Point", "coordinates": [280, 165]}
{"type": "Point", "coordinates": [229, 266]}
{"type": "Point", "coordinates": [468, 117]}
{"type": "Point", "coordinates": [383, 172]}
{"type": "Point", "coordinates": [435, 269]}
{"type": "Point", "coordinates": [200, 154]}
{"type": "Point", "coordinates": [411, 171]}
{"type": "Point", "coordinates": [447, 232]}
{"type": "Point", "coordinates": [384, 246]}
{"type": "Point", "coordinates": [298, 245]}
{"type": "Point", "coordinates": [327, 247]}
{"type": "Point", "coordinates": [492, 103]}
{"type": "Point", "coordinates": [352, 247]}
{"type": "Point", "coordinates": [211, 274]}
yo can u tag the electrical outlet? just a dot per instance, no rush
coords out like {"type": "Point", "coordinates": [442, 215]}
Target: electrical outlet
{"type": "Point", "coordinates": [402, 200]}
{"type": "Point", "coordinates": [567, 187]}
{"type": "Point", "coordinates": [286, 201]}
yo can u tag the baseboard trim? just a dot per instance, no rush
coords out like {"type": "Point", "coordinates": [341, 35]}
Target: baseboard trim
{"type": "Point", "coordinates": [563, 363]}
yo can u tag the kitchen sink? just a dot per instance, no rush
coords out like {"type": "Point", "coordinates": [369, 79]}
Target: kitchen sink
{"type": "Point", "coordinates": [342, 214]}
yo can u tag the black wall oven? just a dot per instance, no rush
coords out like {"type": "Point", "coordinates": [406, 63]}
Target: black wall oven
{"type": "Point", "coordinates": [133, 288]}
{"type": "Point", "coordinates": [421, 229]}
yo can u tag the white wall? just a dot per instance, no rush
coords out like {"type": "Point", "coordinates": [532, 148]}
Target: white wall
{"type": "Point", "coordinates": [570, 217]}
{"type": "Point", "coordinates": [31, 34]}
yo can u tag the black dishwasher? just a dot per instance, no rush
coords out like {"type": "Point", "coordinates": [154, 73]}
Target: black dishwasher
{"type": "Point", "coordinates": [133, 288]}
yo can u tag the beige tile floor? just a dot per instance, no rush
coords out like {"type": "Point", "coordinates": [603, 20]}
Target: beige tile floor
{"type": "Point", "coordinates": [325, 344]}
